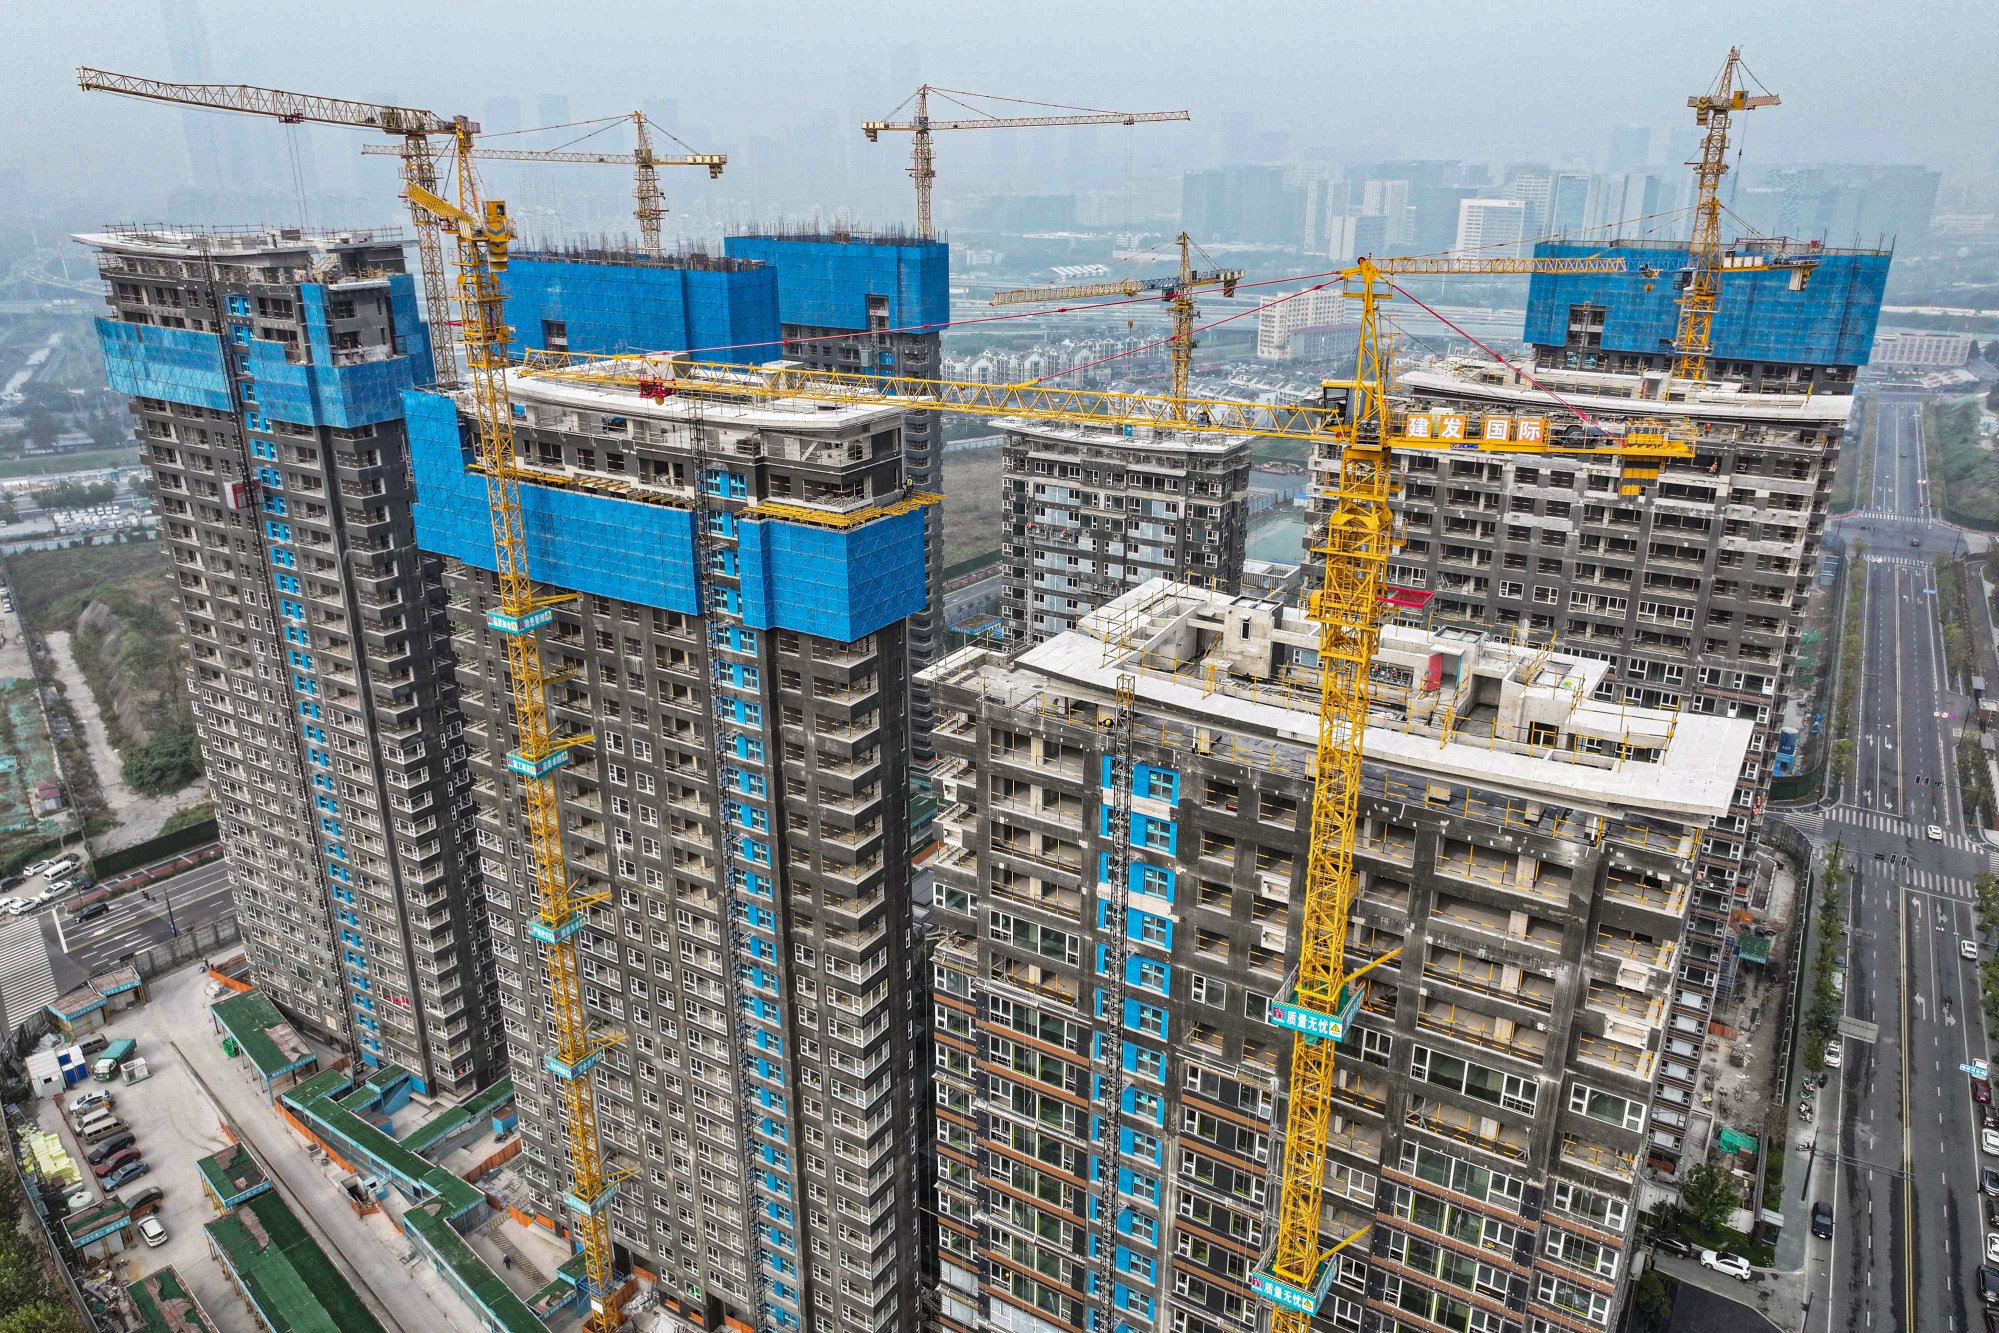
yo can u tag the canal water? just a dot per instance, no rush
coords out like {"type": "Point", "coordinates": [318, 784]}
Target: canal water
{"type": "Point", "coordinates": [1280, 537]}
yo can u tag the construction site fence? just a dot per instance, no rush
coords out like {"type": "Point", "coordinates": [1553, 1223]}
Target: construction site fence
{"type": "Point", "coordinates": [155, 849]}
{"type": "Point", "coordinates": [192, 944]}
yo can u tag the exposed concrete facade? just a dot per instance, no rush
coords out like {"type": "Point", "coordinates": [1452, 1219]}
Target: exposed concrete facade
{"type": "Point", "coordinates": [1092, 512]}
{"type": "Point", "coordinates": [1529, 850]}
{"type": "Point", "coordinates": [265, 369]}
{"type": "Point", "coordinates": [741, 805]}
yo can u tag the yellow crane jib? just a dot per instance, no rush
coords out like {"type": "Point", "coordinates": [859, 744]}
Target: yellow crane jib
{"type": "Point", "coordinates": [413, 125]}
{"type": "Point", "coordinates": [920, 126]}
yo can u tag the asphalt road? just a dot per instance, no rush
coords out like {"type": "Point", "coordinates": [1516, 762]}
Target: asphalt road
{"type": "Point", "coordinates": [1907, 1148]}
{"type": "Point", "coordinates": [75, 952]}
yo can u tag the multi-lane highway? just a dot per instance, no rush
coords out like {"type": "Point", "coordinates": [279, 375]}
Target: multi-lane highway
{"type": "Point", "coordinates": [1897, 1153]}
{"type": "Point", "coordinates": [135, 923]}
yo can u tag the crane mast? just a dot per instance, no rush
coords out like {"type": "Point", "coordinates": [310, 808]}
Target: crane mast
{"type": "Point", "coordinates": [1706, 252]}
{"type": "Point", "coordinates": [1176, 291]}
{"type": "Point", "coordinates": [923, 157]}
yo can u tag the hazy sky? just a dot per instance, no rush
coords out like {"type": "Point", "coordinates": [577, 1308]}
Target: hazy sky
{"type": "Point", "coordinates": [1480, 79]}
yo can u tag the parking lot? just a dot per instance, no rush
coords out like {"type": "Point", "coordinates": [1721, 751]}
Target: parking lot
{"type": "Point", "coordinates": [176, 1125]}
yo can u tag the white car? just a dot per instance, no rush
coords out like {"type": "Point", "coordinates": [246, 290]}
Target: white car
{"type": "Point", "coordinates": [21, 906]}
{"type": "Point", "coordinates": [1734, 1265]}
{"type": "Point", "coordinates": [1992, 1247]}
{"type": "Point", "coordinates": [1988, 1139]}
{"type": "Point", "coordinates": [153, 1232]}
{"type": "Point", "coordinates": [53, 892]}
{"type": "Point", "coordinates": [1969, 948]}
{"type": "Point", "coordinates": [1935, 833]}
{"type": "Point", "coordinates": [1835, 1051]}
{"type": "Point", "coordinates": [36, 869]}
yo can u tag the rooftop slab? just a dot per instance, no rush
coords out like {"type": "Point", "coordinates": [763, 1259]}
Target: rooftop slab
{"type": "Point", "coordinates": [271, 1043]}
{"type": "Point", "coordinates": [286, 1276]}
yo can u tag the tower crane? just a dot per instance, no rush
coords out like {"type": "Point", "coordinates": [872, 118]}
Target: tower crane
{"type": "Point", "coordinates": [649, 208]}
{"type": "Point", "coordinates": [414, 127]}
{"type": "Point", "coordinates": [1354, 551]}
{"type": "Point", "coordinates": [482, 234]}
{"type": "Point", "coordinates": [922, 159]}
{"type": "Point", "coordinates": [1177, 291]}
{"type": "Point", "coordinates": [1707, 257]}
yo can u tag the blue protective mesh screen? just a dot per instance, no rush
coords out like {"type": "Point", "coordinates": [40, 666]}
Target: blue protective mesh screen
{"type": "Point", "coordinates": [1830, 322]}
{"type": "Point", "coordinates": [841, 585]}
{"type": "Point", "coordinates": [826, 283]}
{"type": "Point", "coordinates": [644, 308]}
{"type": "Point", "coordinates": [586, 543]}
{"type": "Point", "coordinates": [178, 365]}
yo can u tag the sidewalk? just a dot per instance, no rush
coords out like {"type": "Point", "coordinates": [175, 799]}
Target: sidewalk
{"type": "Point", "coordinates": [369, 1248]}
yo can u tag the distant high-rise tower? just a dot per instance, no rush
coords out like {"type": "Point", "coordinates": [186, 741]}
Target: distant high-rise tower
{"type": "Point", "coordinates": [1630, 148]}
{"type": "Point", "coordinates": [222, 151]}
{"type": "Point", "coordinates": [552, 109]}
{"type": "Point", "coordinates": [1490, 228]}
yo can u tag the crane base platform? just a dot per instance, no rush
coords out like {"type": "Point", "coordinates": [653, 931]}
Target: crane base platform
{"type": "Point", "coordinates": [1317, 1023]}
{"type": "Point", "coordinates": [1305, 1300]}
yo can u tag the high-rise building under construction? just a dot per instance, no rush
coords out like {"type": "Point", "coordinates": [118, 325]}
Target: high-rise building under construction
{"type": "Point", "coordinates": [1108, 1108]}
{"type": "Point", "coordinates": [871, 303]}
{"type": "Point", "coordinates": [733, 640]}
{"type": "Point", "coordinates": [1693, 595]}
{"type": "Point", "coordinates": [1092, 511]}
{"type": "Point", "coordinates": [265, 370]}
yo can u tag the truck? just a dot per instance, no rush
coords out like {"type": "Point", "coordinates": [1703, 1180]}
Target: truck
{"type": "Point", "coordinates": [114, 1057]}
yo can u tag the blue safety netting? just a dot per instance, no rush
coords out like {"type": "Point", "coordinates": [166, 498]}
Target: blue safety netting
{"type": "Point", "coordinates": [1828, 322]}
{"type": "Point", "coordinates": [586, 543]}
{"type": "Point", "coordinates": [178, 365]}
{"type": "Point", "coordinates": [643, 307]}
{"type": "Point", "coordinates": [839, 584]}
{"type": "Point", "coordinates": [823, 282]}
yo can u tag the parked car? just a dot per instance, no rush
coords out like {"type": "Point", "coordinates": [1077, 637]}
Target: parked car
{"type": "Point", "coordinates": [37, 868]}
{"type": "Point", "coordinates": [142, 1202]}
{"type": "Point", "coordinates": [129, 1171]}
{"type": "Point", "coordinates": [153, 1232]}
{"type": "Point", "coordinates": [1988, 1180]}
{"type": "Point", "coordinates": [1988, 1284]}
{"type": "Point", "coordinates": [117, 1161]}
{"type": "Point", "coordinates": [1992, 1247]}
{"type": "Point", "coordinates": [110, 1148]}
{"type": "Point", "coordinates": [1981, 1091]}
{"type": "Point", "coordinates": [1969, 948]}
{"type": "Point", "coordinates": [1822, 1220]}
{"type": "Point", "coordinates": [52, 892]}
{"type": "Point", "coordinates": [1835, 1053]}
{"type": "Point", "coordinates": [90, 1046]}
{"type": "Point", "coordinates": [1734, 1265]}
{"type": "Point", "coordinates": [1673, 1245]}
{"type": "Point", "coordinates": [1992, 1212]}
{"type": "Point", "coordinates": [18, 906]}
{"type": "Point", "coordinates": [1988, 1140]}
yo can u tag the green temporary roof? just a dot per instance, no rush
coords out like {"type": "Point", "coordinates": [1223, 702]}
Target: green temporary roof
{"type": "Point", "coordinates": [165, 1304]}
{"type": "Point", "coordinates": [288, 1277]}
{"type": "Point", "coordinates": [232, 1174]}
{"type": "Point", "coordinates": [474, 1274]}
{"type": "Point", "coordinates": [272, 1044]}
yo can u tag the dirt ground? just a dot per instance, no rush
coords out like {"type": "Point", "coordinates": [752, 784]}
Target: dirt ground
{"type": "Point", "coordinates": [139, 817]}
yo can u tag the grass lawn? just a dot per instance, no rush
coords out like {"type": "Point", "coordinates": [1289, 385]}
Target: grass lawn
{"type": "Point", "coordinates": [85, 461]}
{"type": "Point", "coordinates": [972, 504]}
{"type": "Point", "coordinates": [1967, 475]}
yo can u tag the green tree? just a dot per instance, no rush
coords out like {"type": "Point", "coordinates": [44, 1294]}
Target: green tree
{"type": "Point", "coordinates": [1709, 1192]}
{"type": "Point", "coordinates": [167, 762]}
{"type": "Point", "coordinates": [42, 428]}
{"type": "Point", "coordinates": [45, 1316]}
{"type": "Point", "coordinates": [1650, 1294]}
{"type": "Point", "coordinates": [1842, 760]}
{"type": "Point", "coordinates": [1987, 889]}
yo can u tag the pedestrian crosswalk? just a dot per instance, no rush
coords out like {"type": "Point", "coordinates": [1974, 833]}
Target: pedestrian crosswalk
{"type": "Point", "coordinates": [1933, 882]}
{"type": "Point", "coordinates": [1825, 826]}
{"type": "Point", "coordinates": [1880, 516]}
{"type": "Point", "coordinates": [26, 981]}
{"type": "Point", "coordinates": [1904, 561]}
